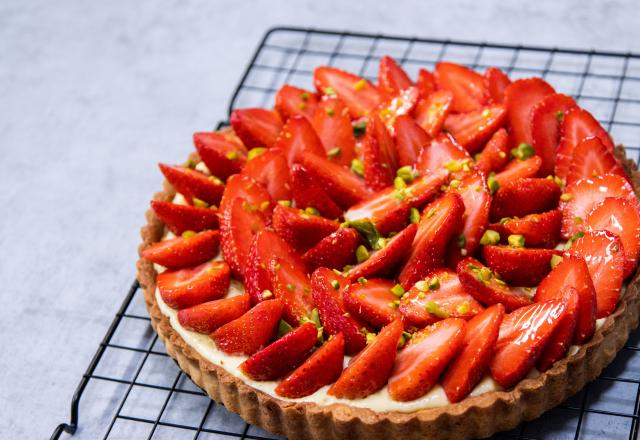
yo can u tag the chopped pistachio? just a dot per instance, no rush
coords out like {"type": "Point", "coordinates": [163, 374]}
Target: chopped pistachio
{"type": "Point", "coordinates": [335, 284]}
{"type": "Point", "coordinates": [434, 283]}
{"type": "Point", "coordinates": [291, 287]}
{"type": "Point", "coordinates": [347, 268]}
{"type": "Point", "coordinates": [406, 173]}
{"type": "Point", "coordinates": [329, 91]}
{"type": "Point", "coordinates": [575, 237]}
{"type": "Point", "coordinates": [523, 151]}
{"type": "Point", "coordinates": [463, 308]}
{"type": "Point", "coordinates": [265, 205]}
{"type": "Point", "coordinates": [555, 260]}
{"type": "Point", "coordinates": [485, 274]}
{"type": "Point", "coordinates": [368, 230]}
{"type": "Point", "coordinates": [414, 215]}
{"type": "Point", "coordinates": [286, 203]}
{"type": "Point", "coordinates": [422, 286]}
{"type": "Point", "coordinates": [433, 308]}
{"type": "Point", "coordinates": [215, 180]}
{"type": "Point", "coordinates": [311, 211]}
{"type": "Point", "coordinates": [362, 254]}
{"type": "Point", "coordinates": [431, 212]}
{"type": "Point", "coordinates": [516, 240]}
{"type": "Point", "coordinates": [359, 128]}
{"type": "Point", "coordinates": [490, 237]}
{"type": "Point", "coordinates": [334, 152]}
{"type": "Point", "coordinates": [357, 167]}
{"type": "Point", "coordinates": [559, 115]}
{"type": "Point", "coordinates": [455, 183]}
{"type": "Point", "coordinates": [486, 113]}
{"type": "Point", "coordinates": [283, 328]}
{"type": "Point", "coordinates": [232, 155]}
{"type": "Point", "coordinates": [305, 96]}
{"type": "Point", "coordinates": [577, 220]}
{"type": "Point", "coordinates": [362, 280]}
{"type": "Point", "coordinates": [453, 166]}
{"type": "Point", "coordinates": [255, 152]}
{"type": "Point", "coordinates": [399, 183]}
{"type": "Point", "coordinates": [188, 234]}
{"type": "Point", "coordinates": [493, 183]}
{"type": "Point", "coordinates": [199, 203]}
{"type": "Point", "coordinates": [370, 337]}
{"type": "Point", "coordinates": [266, 294]}
{"type": "Point", "coordinates": [398, 290]}
{"type": "Point", "coordinates": [566, 197]}
{"type": "Point", "coordinates": [502, 154]}
{"type": "Point", "coordinates": [504, 220]}
{"type": "Point", "coordinates": [337, 272]}
{"type": "Point", "coordinates": [330, 111]}
{"type": "Point", "coordinates": [361, 84]}
{"type": "Point", "coordinates": [461, 241]}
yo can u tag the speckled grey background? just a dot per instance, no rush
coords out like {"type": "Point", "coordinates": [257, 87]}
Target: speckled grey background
{"type": "Point", "coordinates": [94, 94]}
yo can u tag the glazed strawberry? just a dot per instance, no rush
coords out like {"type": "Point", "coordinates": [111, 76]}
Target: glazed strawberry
{"type": "Point", "coordinates": [426, 83]}
{"type": "Point", "coordinates": [431, 112]}
{"type": "Point", "coordinates": [577, 125]}
{"type": "Point", "coordinates": [472, 130]}
{"type": "Point", "coordinates": [468, 367]}
{"type": "Point", "coordinates": [283, 355]}
{"type": "Point", "coordinates": [372, 301]}
{"type": "Point", "coordinates": [297, 137]}
{"type": "Point", "coordinates": [562, 337]}
{"type": "Point", "coordinates": [207, 317]}
{"type": "Point", "coordinates": [322, 368]}
{"type": "Point", "coordinates": [292, 101]}
{"type": "Point", "coordinates": [358, 94]}
{"type": "Point", "coordinates": [581, 197]}
{"type": "Point", "coordinates": [189, 250]}
{"type": "Point", "coordinates": [369, 371]}
{"type": "Point", "coordinates": [382, 262]}
{"type": "Point", "coordinates": [184, 288]}
{"type": "Point", "coordinates": [410, 139]}
{"type": "Point", "coordinates": [523, 197]}
{"type": "Point", "coordinates": [442, 150]}
{"type": "Point", "coordinates": [334, 251]}
{"type": "Point", "coordinates": [257, 127]}
{"type": "Point", "coordinates": [441, 221]}
{"type": "Point", "coordinates": [520, 97]}
{"type": "Point", "coordinates": [193, 184]}
{"type": "Point", "coordinates": [421, 362]}
{"type": "Point", "coordinates": [240, 186]}
{"type": "Point", "coordinates": [307, 193]}
{"type": "Point", "coordinates": [300, 229]}
{"type": "Point", "coordinates": [250, 332]}
{"type": "Point", "coordinates": [467, 86]}
{"type": "Point", "coordinates": [440, 295]}
{"type": "Point", "coordinates": [495, 155]}
{"type": "Point", "coordinates": [327, 289]}
{"type": "Point", "coordinates": [572, 272]}
{"type": "Point", "coordinates": [392, 79]}
{"type": "Point", "coordinates": [517, 169]}
{"type": "Point", "coordinates": [591, 158]}
{"type": "Point", "coordinates": [538, 230]}
{"type": "Point", "coordinates": [291, 285]}
{"type": "Point", "coordinates": [180, 218]}
{"type": "Point", "coordinates": [222, 155]}
{"type": "Point", "coordinates": [397, 105]}
{"type": "Point", "coordinates": [604, 254]}
{"type": "Point", "coordinates": [487, 288]}
{"type": "Point", "coordinates": [270, 170]}
{"type": "Point", "coordinates": [546, 120]}
{"type": "Point", "coordinates": [379, 155]}
{"type": "Point", "coordinates": [518, 265]}
{"type": "Point", "coordinates": [332, 122]}
{"type": "Point", "coordinates": [496, 82]}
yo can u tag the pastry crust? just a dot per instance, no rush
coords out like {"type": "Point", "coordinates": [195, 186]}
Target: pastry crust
{"type": "Point", "coordinates": [474, 417]}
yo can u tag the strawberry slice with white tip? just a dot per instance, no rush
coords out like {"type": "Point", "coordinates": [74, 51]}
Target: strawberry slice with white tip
{"type": "Point", "coordinates": [441, 151]}
{"type": "Point", "coordinates": [332, 122]}
{"type": "Point", "coordinates": [473, 129]}
{"type": "Point", "coordinates": [207, 317]}
{"type": "Point", "coordinates": [188, 250]}
{"type": "Point", "coordinates": [392, 78]}
{"type": "Point", "coordinates": [358, 94]}
{"type": "Point", "coordinates": [184, 288]}
{"type": "Point", "coordinates": [397, 105]}
{"type": "Point", "coordinates": [180, 218]}
{"type": "Point", "coordinates": [193, 184]}
{"type": "Point", "coordinates": [372, 301]}
{"type": "Point", "coordinates": [257, 127]}
{"type": "Point", "coordinates": [591, 158]}
{"type": "Point", "coordinates": [431, 112]}
{"type": "Point", "coordinates": [222, 154]}
{"type": "Point", "coordinates": [467, 86]}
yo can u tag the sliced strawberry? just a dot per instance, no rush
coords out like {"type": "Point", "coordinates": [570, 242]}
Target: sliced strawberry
{"type": "Point", "coordinates": [392, 79]}
{"type": "Point", "coordinates": [369, 371]}
{"type": "Point", "coordinates": [520, 97]}
{"type": "Point", "coordinates": [605, 257]}
{"type": "Point", "coordinates": [420, 363]}
{"type": "Point", "coordinates": [519, 266]}
{"type": "Point", "coordinates": [193, 184]}
{"type": "Point", "coordinates": [398, 105]}
{"type": "Point", "coordinates": [292, 101]}
{"type": "Point", "coordinates": [334, 251]}
{"type": "Point", "coordinates": [577, 125]}
{"type": "Point", "coordinates": [523, 336]}
{"type": "Point", "coordinates": [372, 301]}
{"type": "Point", "coordinates": [283, 355]}
{"type": "Point", "coordinates": [562, 337]}
{"type": "Point", "coordinates": [426, 83]}
{"type": "Point", "coordinates": [240, 186]}
{"type": "Point", "coordinates": [322, 368]}
{"type": "Point", "coordinates": [442, 150]}
{"type": "Point", "coordinates": [332, 122]}
{"type": "Point", "coordinates": [468, 367]}
{"type": "Point", "coordinates": [472, 130]}
{"type": "Point", "coordinates": [222, 155]}
{"type": "Point", "coordinates": [297, 137]}
{"type": "Point", "coordinates": [335, 319]}
{"type": "Point", "coordinates": [538, 230]}
{"type": "Point", "coordinates": [496, 82]}
{"type": "Point", "coordinates": [487, 288]}
{"type": "Point", "coordinates": [591, 158]}
{"type": "Point", "coordinates": [307, 193]}
{"type": "Point", "coordinates": [270, 170]}
{"type": "Point", "coordinates": [184, 288]}
{"type": "Point", "coordinates": [431, 112]}
{"type": "Point", "coordinates": [301, 230]}
{"type": "Point", "coordinates": [517, 169]}
{"type": "Point", "coordinates": [179, 218]}
{"type": "Point", "coordinates": [546, 119]}
{"type": "Point", "coordinates": [379, 154]}
{"type": "Point", "coordinates": [250, 332]}
{"type": "Point", "coordinates": [189, 250]}
{"type": "Point", "coordinates": [359, 95]}
{"type": "Point", "coordinates": [467, 86]}
{"type": "Point", "coordinates": [495, 155]}
{"type": "Point", "coordinates": [257, 127]}
{"type": "Point", "coordinates": [292, 286]}
{"type": "Point", "coordinates": [523, 197]}
{"type": "Point", "coordinates": [207, 317]}
{"type": "Point", "coordinates": [440, 295]}
{"type": "Point", "coordinates": [410, 139]}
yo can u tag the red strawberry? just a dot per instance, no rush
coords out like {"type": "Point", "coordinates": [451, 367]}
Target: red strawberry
{"type": "Point", "coordinates": [207, 317]}
{"type": "Point", "coordinates": [398, 105]}
{"type": "Point", "coordinates": [577, 125]}
{"type": "Point", "coordinates": [496, 82]}
{"type": "Point", "coordinates": [410, 139]}
{"type": "Point", "coordinates": [538, 230]}
{"type": "Point", "coordinates": [442, 150]}
{"type": "Point", "coordinates": [239, 186]}
{"type": "Point", "coordinates": [441, 220]}
{"type": "Point", "coordinates": [523, 336]}
{"type": "Point", "coordinates": [487, 288]}
{"type": "Point", "coordinates": [321, 368]}
{"type": "Point", "coordinates": [431, 112]}
{"type": "Point", "coordinates": [250, 332]}
{"type": "Point", "coordinates": [563, 335]}
{"type": "Point", "coordinates": [297, 137]}
{"type": "Point", "coordinates": [193, 184]}
{"type": "Point", "coordinates": [523, 197]}
{"type": "Point", "coordinates": [517, 169]}
{"type": "Point", "coordinates": [184, 251]}
{"type": "Point", "coordinates": [467, 86]}
{"type": "Point", "coordinates": [420, 363]}
{"type": "Point", "coordinates": [495, 155]}
{"type": "Point", "coordinates": [299, 229]}
{"type": "Point", "coordinates": [572, 272]}
{"type": "Point", "coordinates": [334, 251]}
{"type": "Point", "coordinates": [519, 266]}
{"type": "Point", "coordinates": [426, 83]}
{"type": "Point", "coordinates": [332, 122]}
{"type": "Point", "coordinates": [605, 257]}
{"type": "Point", "coordinates": [292, 286]}
{"type": "Point", "coordinates": [392, 79]}
{"type": "Point", "coordinates": [379, 154]}
{"type": "Point", "coordinates": [472, 130]}
{"type": "Point", "coordinates": [369, 371]}
{"type": "Point", "coordinates": [333, 315]}
{"type": "Point", "coordinates": [184, 288]}
{"type": "Point", "coordinates": [359, 95]}
{"type": "Point", "coordinates": [546, 119]}
{"type": "Point", "coordinates": [180, 218]}
{"type": "Point", "coordinates": [283, 355]}
{"type": "Point", "coordinates": [372, 301]}
{"type": "Point", "coordinates": [307, 193]}
{"type": "Point", "coordinates": [520, 97]}
{"type": "Point", "coordinates": [468, 367]}
{"type": "Point", "coordinates": [257, 127]}
{"type": "Point", "coordinates": [440, 295]}
{"type": "Point", "coordinates": [222, 155]}
{"type": "Point", "coordinates": [270, 170]}
{"type": "Point", "coordinates": [292, 101]}
{"type": "Point", "coordinates": [591, 158]}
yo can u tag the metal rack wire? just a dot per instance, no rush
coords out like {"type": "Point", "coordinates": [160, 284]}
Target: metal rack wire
{"type": "Point", "coordinates": [132, 389]}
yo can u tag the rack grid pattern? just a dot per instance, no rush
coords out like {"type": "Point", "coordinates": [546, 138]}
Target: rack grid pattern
{"type": "Point", "coordinates": [132, 389]}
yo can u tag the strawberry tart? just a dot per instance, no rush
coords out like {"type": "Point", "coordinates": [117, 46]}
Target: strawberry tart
{"type": "Point", "coordinates": [438, 258]}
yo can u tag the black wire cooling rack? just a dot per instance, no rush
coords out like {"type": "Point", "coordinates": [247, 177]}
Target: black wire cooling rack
{"type": "Point", "coordinates": [132, 389]}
